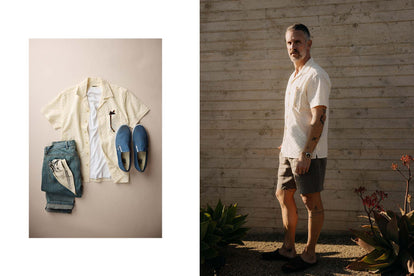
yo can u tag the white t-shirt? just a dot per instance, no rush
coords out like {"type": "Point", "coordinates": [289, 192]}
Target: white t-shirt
{"type": "Point", "coordinates": [309, 88]}
{"type": "Point", "coordinates": [98, 167]}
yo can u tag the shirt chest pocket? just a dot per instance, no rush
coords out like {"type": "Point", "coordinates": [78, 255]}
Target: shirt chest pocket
{"type": "Point", "coordinates": [114, 118]}
{"type": "Point", "coordinates": [298, 98]}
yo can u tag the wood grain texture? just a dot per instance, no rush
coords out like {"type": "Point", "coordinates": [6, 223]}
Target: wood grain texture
{"type": "Point", "coordinates": [366, 47]}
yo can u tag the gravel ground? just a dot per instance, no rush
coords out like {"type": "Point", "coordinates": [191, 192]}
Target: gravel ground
{"type": "Point", "coordinates": [334, 254]}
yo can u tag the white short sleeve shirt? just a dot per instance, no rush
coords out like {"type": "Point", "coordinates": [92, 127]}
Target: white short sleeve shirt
{"type": "Point", "coordinates": [309, 88]}
{"type": "Point", "coordinates": [82, 113]}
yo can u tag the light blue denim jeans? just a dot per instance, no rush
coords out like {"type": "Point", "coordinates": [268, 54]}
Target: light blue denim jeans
{"type": "Point", "coordinates": [58, 197]}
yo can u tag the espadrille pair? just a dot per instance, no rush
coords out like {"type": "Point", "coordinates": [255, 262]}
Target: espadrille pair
{"type": "Point", "coordinates": [139, 142]}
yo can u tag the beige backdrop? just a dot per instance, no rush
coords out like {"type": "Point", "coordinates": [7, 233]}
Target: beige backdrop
{"type": "Point", "coordinates": [105, 209]}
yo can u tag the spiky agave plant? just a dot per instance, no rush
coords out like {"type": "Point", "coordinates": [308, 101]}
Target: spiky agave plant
{"type": "Point", "coordinates": [220, 227]}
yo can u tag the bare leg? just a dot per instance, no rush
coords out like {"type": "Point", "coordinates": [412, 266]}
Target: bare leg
{"type": "Point", "coordinates": [313, 203]}
{"type": "Point", "coordinates": [290, 220]}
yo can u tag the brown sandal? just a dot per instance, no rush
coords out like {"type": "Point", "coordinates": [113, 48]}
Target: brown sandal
{"type": "Point", "coordinates": [297, 264]}
{"type": "Point", "coordinates": [274, 256]}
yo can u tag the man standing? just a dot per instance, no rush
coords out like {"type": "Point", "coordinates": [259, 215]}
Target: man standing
{"type": "Point", "coordinates": [302, 159]}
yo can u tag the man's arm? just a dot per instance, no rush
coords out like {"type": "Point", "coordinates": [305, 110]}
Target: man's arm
{"type": "Point", "coordinates": [317, 123]}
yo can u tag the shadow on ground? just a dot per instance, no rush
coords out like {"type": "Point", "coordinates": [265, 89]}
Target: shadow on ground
{"type": "Point", "coordinates": [345, 239]}
{"type": "Point", "coordinates": [247, 261]}
{"type": "Point", "coordinates": [334, 254]}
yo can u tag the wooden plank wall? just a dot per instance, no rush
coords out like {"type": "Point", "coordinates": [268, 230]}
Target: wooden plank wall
{"type": "Point", "coordinates": [367, 49]}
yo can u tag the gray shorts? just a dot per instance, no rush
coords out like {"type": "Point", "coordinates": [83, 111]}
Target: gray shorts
{"type": "Point", "coordinates": [310, 182]}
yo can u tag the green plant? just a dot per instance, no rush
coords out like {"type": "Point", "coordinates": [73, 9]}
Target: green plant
{"type": "Point", "coordinates": [390, 242]}
{"type": "Point", "coordinates": [220, 227]}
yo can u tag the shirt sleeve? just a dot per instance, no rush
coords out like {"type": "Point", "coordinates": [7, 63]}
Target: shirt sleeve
{"type": "Point", "coordinates": [135, 109]}
{"type": "Point", "coordinates": [53, 111]}
{"type": "Point", "coordinates": [318, 91]}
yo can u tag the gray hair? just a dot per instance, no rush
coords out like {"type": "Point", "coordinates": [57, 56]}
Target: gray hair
{"type": "Point", "coordinates": [300, 27]}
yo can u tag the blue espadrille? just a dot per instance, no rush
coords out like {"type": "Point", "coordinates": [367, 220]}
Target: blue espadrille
{"type": "Point", "coordinates": [140, 144]}
{"type": "Point", "coordinates": [123, 147]}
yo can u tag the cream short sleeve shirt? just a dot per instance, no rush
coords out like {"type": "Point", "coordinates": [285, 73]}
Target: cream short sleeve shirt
{"type": "Point", "coordinates": [309, 88]}
{"type": "Point", "coordinates": [70, 113]}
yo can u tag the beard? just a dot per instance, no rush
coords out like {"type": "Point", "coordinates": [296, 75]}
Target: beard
{"type": "Point", "coordinates": [295, 55]}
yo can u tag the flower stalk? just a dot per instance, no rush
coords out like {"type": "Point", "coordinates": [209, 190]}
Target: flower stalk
{"type": "Point", "coordinates": [406, 160]}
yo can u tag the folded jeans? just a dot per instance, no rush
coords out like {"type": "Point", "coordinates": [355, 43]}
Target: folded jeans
{"type": "Point", "coordinates": [61, 176]}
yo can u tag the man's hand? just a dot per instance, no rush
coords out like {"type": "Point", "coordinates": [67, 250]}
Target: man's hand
{"type": "Point", "coordinates": [303, 164]}
{"type": "Point", "coordinates": [316, 127]}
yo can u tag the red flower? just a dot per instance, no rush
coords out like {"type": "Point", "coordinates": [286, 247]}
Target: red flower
{"type": "Point", "coordinates": [360, 190]}
{"type": "Point", "coordinates": [372, 201]}
{"type": "Point", "coordinates": [382, 195]}
{"type": "Point", "coordinates": [406, 159]}
{"type": "Point", "coordinates": [394, 166]}
{"type": "Point", "coordinates": [366, 201]}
